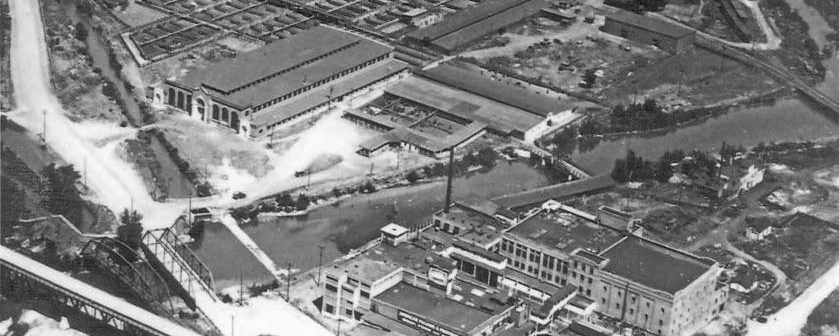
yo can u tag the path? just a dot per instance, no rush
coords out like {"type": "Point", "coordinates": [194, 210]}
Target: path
{"type": "Point", "coordinates": [777, 272]}
{"type": "Point", "coordinates": [113, 180]}
{"type": "Point", "coordinates": [789, 320]}
{"type": "Point", "coordinates": [772, 41]}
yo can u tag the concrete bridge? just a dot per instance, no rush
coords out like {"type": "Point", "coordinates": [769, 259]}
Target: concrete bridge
{"type": "Point", "coordinates": [21, 274]}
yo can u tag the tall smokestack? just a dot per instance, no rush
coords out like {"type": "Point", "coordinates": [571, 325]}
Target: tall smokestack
{"type": "Point", "coordinates": [449, 181]}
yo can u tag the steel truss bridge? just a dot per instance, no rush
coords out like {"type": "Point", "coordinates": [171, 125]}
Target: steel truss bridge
{"type": "Point", "coordinates": [19, 273]}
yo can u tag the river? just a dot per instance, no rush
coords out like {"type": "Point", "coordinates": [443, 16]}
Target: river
{"type": "Point", "coordinates": [179, 186]}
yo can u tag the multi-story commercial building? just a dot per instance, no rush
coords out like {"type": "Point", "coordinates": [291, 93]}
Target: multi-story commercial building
{"type": "Point", "coordinates": [258, 91]}
{"type": "Point", "coordinates": [658, 288]}
{"type": "Point", "coordinates": [646, 284]}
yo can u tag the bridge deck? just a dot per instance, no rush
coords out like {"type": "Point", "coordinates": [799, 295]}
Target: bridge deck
{"type": "Point", "coordinates": [118, 305]}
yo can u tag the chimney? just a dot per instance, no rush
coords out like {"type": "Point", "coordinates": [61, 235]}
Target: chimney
{"type": "Point", "coordinates": [449, 181]}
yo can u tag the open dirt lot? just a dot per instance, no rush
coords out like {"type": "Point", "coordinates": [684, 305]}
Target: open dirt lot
{"type": "Point", "coordinates": [560, 55]}
{"type": "Point", "coordinates": [802, 250]}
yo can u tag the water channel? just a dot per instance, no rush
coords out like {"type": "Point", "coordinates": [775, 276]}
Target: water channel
{"type": "Point", "coordinates": [178, 185]}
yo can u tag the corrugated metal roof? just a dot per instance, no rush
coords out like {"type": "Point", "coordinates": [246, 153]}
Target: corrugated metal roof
{"type": "Point", "coordinates": [649, 23]}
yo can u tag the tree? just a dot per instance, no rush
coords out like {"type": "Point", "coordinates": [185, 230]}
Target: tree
{"type": "Point", "coordinates": [412, 177]}
{"type": "Point", "coordinates": [368, 187]}
{"type": "Point", "coordinates": [336, 192]}
{"type": "Point", "coordinates": [663, 171]}
{"type": "Point", "coordinates": [131, 230]}
{"type": "Point", "coordinates": [197, 230]}
{"type": "Point", "coordinates": [486, 157]}
{"type": "Point", "coordinates": [303, 202]}
{"type": "Point", "coordinates": [590, 77]}
{"type": "Point", "coordinates": [81, 32]}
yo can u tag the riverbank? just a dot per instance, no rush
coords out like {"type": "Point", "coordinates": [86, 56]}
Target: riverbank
{"type": "Point", "coordinates": [687, 117]}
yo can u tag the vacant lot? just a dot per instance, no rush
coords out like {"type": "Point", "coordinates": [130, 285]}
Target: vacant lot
{"type": "Point", "coordinates": [135, 15]}
{"type": "Point", "coordinates": [696, 78]}
{"type": "Point", "coordinates": [824, 320]}
{"type": "Point", "coordinates": [803, 248]}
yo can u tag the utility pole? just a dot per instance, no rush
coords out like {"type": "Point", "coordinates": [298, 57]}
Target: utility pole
{"type": "Point", "coordinates": [189, 210]}
{"type": "Point", "coordinates": [84, 168]}
{"type": "Point", "coordinates": [338, 330]}
{"type": "Point", "coordinates": [449, 181]}
{"type": "Point", "coordinates": [679, 87]}
{"type": "Point", "coordinates": [320, 264]}
{"type": "Point", "coordinates": [308, 178]}
{"type": "Point", "coordinates": [232, 323]}
{"type": "Point", "coordinates": [288, 283]}
{"type": "Point", "coordinates": [241, 288]}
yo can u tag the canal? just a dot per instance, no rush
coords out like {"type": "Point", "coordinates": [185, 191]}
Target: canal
{"type": "Point", "coordinates": [179, 186]}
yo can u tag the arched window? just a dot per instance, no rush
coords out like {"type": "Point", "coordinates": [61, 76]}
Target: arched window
{"type": "Point", "coordinates": [224, 115]}
{"type": "Point", "coordinates": [234, 121]}
{"type": "Point", "coordinates": [180, 100]}
{"type": "Point", "coordinates": [215, 112]}
{"type": "Point", "coordinates": [199, 103]}
{"type": "Point", "coordinates": [171, 96]}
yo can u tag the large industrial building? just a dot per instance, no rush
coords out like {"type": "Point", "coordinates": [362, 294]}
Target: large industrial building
{"type": "Point", "coordinates": [666, 36]}
{"type": "Point", "coordinates": [461, 28]}
{"type": "Point", "coordinates": [460, 105]}
{"type": "Point", "coordinates": [258, 91]}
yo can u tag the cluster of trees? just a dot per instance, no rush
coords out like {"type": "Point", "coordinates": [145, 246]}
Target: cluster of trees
{"type": "Point", "coordinates": [730, 151]}
{"type": "Point", "coordinates": [286, 202]}
{"type": "Point", "coordinates": [640, 117]}
{"type": "Point", "coordinates": [60, 193]}
{"type": "Point", "coordinates": [635, 168]}
{"type": "Point", "coordinates": [202, 189]}
{"type": "Point", "coordinates": [564, 141]}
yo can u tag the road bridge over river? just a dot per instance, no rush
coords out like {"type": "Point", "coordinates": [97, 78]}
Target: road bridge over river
{"type": "Point", "coordinates": [20, 273]}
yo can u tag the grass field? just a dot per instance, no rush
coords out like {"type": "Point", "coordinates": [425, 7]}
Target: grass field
{"type": "Point", "coordinates": [824, 320]}
{"type": "Point", "coordinates": [705, 78]}
{"type": "Point", "coordinates": [803, 248]}
{"type": "Point", "coordinates": [136, 15]}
